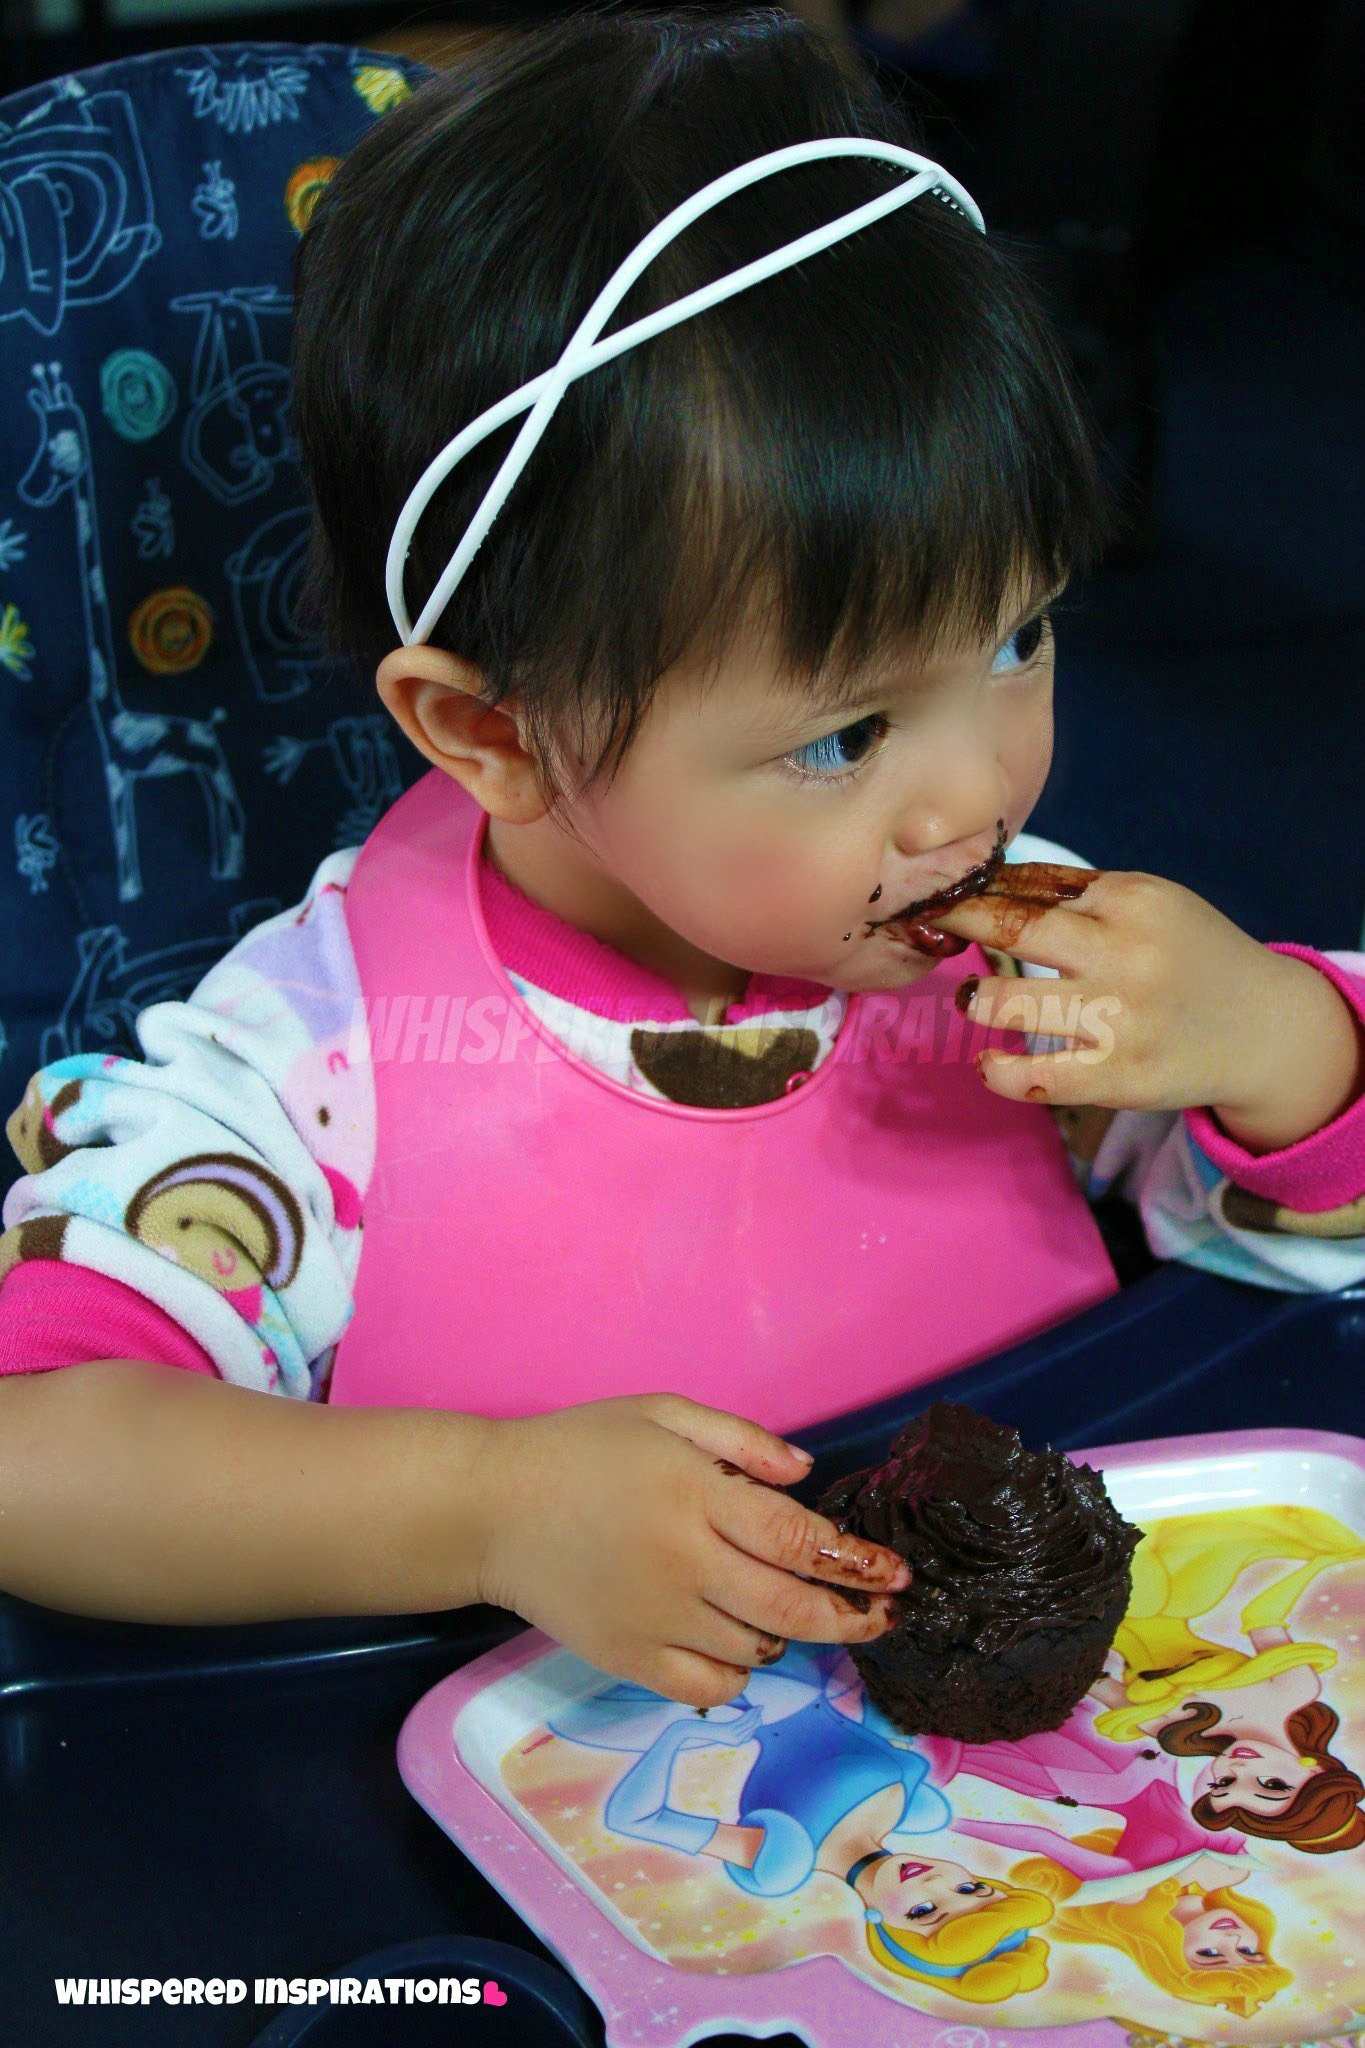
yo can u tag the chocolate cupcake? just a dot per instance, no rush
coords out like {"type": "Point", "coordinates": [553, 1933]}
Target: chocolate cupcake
{"type": "Point", "coordinates": [1020, 1567]}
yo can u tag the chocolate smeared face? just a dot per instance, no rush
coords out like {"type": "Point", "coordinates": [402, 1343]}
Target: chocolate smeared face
{"type": "Point", "coordinates": [913, 922]}
{"type": "Point", "coordinates": [1031, 887]}
{"type": "Point", "coordinates": [1020, 1568]}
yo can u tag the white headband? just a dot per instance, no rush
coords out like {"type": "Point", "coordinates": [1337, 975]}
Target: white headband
{"type": "Point", "coordinates": [585, 351]}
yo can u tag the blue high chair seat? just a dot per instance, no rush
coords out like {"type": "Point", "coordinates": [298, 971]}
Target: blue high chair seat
{"type": "Point", "coordinates": [175, 754]}
{"type": "Point", "coordinates": [174, 759]}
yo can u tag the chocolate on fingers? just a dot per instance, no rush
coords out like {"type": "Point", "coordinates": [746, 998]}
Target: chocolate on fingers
{"type": "Point", "coordinates": [1023, 894]}
{"type": "Point", "coordinates": [1032, 887]}
{"type": "Point", "coordinates": [1045, 883]}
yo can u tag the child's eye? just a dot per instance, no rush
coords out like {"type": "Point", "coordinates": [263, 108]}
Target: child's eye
{"type": "Point", "coordinates": [924, 1912]}
{"type": "Point", "coordinates": [839, 754]}
{"type": "Point", "coordinates": [973, 1890]}
{"type": "Point", "coordinates": [1022, 648]}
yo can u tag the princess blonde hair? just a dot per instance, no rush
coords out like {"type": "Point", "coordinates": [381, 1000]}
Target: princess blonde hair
{"type": "Point", "coordinates": [968, 1945]}
{"type": "Point", "coordinates": [1144, 1930]}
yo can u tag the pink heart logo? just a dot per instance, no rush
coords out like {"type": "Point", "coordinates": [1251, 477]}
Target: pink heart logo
{"type": "Point", "coordinates": [493, 1994]}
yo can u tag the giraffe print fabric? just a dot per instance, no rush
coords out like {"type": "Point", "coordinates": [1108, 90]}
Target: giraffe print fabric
{"type": "Point", "coordinates": [158, 690]}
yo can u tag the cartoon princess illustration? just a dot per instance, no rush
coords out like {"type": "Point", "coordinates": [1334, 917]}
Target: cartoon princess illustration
{"type": "Point", "coordinates": [1159, 1887]}
{"type": "Point", "coordinates": [1255, 1714]}
{"type": "Point", "coordinates": [829, 1792]}
{"type": "Point", "coordinates": [1078, 1766]}
{"type": "Point", "coordinates": [1191, 1935]}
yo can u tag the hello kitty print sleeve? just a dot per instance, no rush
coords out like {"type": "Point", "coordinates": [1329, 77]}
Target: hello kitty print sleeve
{"type": "Point", "coordinates": [203, 1203]}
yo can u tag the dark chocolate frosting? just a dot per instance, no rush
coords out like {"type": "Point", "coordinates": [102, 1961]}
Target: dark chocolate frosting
{"type": "Point", "coordinates": [1001, 1541]}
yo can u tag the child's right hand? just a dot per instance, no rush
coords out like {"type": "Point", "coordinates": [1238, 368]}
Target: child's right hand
{"type": "Point", "coordinates": [633, 1531]}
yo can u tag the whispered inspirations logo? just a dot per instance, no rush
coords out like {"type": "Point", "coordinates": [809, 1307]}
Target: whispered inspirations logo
{"type": "Point", "coordinates": [396, 1990]}
{"type": "Point", "coordinates": [443, 1028]}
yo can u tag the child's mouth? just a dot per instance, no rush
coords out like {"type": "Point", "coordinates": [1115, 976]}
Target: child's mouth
{"type": "Point", "coordinates": [912, 923]}
{"type": "Point", "coordinates": [1031, 889]}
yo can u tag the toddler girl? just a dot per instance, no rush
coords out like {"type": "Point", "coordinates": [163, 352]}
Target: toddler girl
{"type": "Point", "coordinates": [596, 1119]}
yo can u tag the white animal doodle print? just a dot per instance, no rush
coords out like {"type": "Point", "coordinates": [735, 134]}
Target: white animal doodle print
{"type": "Point", "coordinates": [135, 746]}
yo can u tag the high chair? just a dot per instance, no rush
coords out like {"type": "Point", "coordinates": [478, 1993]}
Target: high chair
{"type": "Point", "coordinates": [176, 754]}
{"type": "Point", "coordinates": [176, 757]}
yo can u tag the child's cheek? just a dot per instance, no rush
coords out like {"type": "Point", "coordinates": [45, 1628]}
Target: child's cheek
{"type": "Point", "coordinates": [777, 933]}
{"type": "Point", "coordinates": [1029, 758]}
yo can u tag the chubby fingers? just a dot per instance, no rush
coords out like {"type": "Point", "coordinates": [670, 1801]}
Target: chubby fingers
{"type": "Point", "coordinates": [744, 1446]}
{"type": "Point", "coordinates": [730, 1640]}
{"type": "Point", "coordinates": [1069, 1079]}
{"type": "Point", "coordinates": [776, 1530]}
{"type": "Point", "coordinates": [1045, 882]}
{"type": "Point", "coordinates": [791, 1573]}
{"type": "Point", "coordinates": [691, 1676]}
{"type": "Point", "coordinates": [1034, 1006]}
{"type": "Point", "coordinates": [776, 1606]}
{"type": "Point", "coordinates": [1074, 1027]}
{"type": "Point", "coordinates": [1038, 911]}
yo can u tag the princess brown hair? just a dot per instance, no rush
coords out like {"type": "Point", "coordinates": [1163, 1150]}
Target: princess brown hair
{"type": "Point", "coordinates": [1324, 1816]}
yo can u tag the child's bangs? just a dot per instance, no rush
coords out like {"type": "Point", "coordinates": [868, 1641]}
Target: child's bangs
{"type": "Point", "coordinates": [850, 564]}
{"type": "Point", "coordinates": [862, 484]}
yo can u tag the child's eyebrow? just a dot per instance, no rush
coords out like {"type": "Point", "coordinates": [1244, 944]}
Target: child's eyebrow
{"type": "Point", "coordinates": [859, 691]}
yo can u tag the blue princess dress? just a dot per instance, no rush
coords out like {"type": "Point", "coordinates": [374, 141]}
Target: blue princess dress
{"type": "Point", "coordinates": [814, 1764]}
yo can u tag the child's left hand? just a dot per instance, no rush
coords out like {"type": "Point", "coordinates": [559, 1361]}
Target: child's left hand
{"type": "Point", "coordinates": [1163, 1003]}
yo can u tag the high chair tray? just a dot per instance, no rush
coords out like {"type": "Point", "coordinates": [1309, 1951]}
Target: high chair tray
{"type": "Point", "coordinates": [1182, 1862]}
{"type": "Point", "coordinates": [226, 1800]}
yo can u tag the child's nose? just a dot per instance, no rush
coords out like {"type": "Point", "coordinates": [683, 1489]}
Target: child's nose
{"type": "Point", "coordinates": [950, 856]}
{"type": "Point", "coordinates": [959, 820]}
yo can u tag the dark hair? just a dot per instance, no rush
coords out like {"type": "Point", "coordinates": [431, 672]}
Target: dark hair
{"type": "Point", "coordinates": [1190, 1736]}
{"type": "Point", "coordinates": [1323, 1817]}
{"type": "Point", "coordinates": [874, 446]}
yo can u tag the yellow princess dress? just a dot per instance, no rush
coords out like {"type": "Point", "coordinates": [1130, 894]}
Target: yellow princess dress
{"type": "Point", "coordinates": [1185, 1567]}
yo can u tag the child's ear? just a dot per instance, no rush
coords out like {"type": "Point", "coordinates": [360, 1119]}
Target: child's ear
{"type": "Point", "coordinates": [437, 699]}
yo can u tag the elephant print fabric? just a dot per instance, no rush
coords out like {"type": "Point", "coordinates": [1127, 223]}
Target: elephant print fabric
{"type": "Point", "coordinates": [158, 686]}
{"type": "Point", "coordinates": [1184, 1858]}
